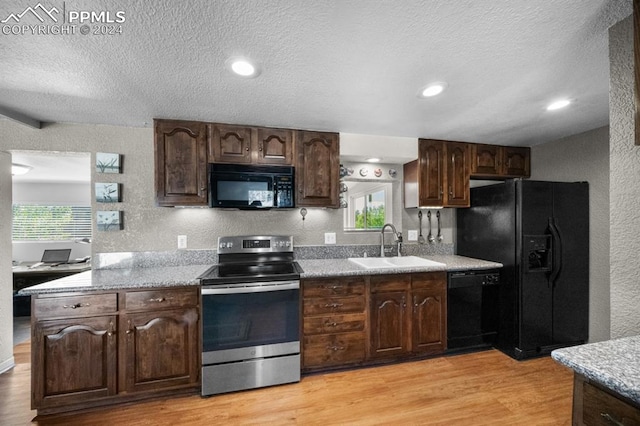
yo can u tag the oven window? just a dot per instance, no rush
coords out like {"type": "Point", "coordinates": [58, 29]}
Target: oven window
{"type": "Point", "coordinates": [250, 319]}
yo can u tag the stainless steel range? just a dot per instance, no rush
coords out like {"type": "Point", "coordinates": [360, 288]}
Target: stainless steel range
{"type": "Point", "coordinates": [251, 315]}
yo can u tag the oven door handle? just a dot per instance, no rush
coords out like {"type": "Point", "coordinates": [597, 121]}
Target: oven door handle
{"type": "Point", "coordinates": [249, 288]}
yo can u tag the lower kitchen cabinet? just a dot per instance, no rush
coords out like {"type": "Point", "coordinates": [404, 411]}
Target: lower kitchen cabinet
{"type": "Point", "coordinates": [595, 405]}
{"type": "Point", "coordinates": [73, 360]}
{"type": "Point", "coordinates": [371, 319]}
{"type": "Point", "coordinates": [334, 322]}
{"type": "Point", "coordinates": [93, 349]}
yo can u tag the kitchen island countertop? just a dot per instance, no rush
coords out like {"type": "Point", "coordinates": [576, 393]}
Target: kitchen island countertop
{"type": "Point", "coordinates": [132, 278]}
{"type": "Point", "coordinates": [614, 364]}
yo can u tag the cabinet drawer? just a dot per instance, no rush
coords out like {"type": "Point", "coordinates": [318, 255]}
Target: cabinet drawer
{"type": "Point", "coordinates": [160, 299]}
{"type": "Point", "coordinates": [333, 349]}
{"type": "Point", "coordinates": [334, 324]}
{"type": "Point", "coordinates": [333, 287]}
{"type": "Point", "coordinates": [399, 282]}
{"type": "Point", "coordinates": [75, 306]}
{"type": "Point", "coordinates": [601, 408]}
{"type": "Point", "coordinates": [429, 281]}
{"type": "Point", "coordinates": [333, 305]}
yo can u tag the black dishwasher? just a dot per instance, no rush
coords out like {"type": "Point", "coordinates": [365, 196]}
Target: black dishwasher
{"type": "Point", "coordinates": [472, 309]}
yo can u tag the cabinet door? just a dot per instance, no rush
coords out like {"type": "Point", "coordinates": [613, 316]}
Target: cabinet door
{"type": "Point", "coordinates": [430, 172]}
{"type": "Point", "coordinates": [429, 321]}
{"type": "Point", "coordinates": [516, 162]}
{"type": "Point", "coordinates": [389, 324]}
{"type": "Point", "coordinates": [486, 160]}
{"type": "Point", "coordinates": [317, 169]}
{"type": "Point", "coordinates": [159, 350]}
{"type": "Point", "coordinates": [458, 194]}
{"type": "Point", "coordinates": [180, 163]}
{"type": "Point", "coordinates": [429, 316]}
{"type": "Point", "coordinates": [275, 146]}
{"type": "Point", "coordinates": [74, 361]}
{"type": "Point", "coordinates": [230, 144]}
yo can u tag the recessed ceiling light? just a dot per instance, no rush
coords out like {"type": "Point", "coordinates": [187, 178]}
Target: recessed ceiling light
{"type": "Point", "coordinates": [373, 160]}
{"type": "Point", "coordinates": [243, 67]}
{"type": "Point", "coordinates": [558, 104]}
{"type": "Point", "coordinates": [19, 169]}
{"type": "Point", "coordinates": [432, 89]}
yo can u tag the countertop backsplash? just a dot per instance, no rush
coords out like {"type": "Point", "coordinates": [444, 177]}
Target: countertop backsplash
{"type": "Point", "coordinates": [152, 259]}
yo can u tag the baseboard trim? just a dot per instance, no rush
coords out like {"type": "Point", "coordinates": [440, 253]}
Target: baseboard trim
{"type": "Point", "coordinates": [7, 365]}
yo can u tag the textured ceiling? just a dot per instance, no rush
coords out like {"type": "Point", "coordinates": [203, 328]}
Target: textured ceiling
{"type": "Point", "coordinates": [347, 66]}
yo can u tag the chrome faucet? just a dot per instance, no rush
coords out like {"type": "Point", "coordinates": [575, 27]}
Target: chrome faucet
{"type": "Point", "coordinates": [396, 234]}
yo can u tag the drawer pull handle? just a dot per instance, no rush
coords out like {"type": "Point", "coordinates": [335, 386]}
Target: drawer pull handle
{"type": "Point", "coordinates": [76, 306]}
{"type": "Point", "coordinates": [335, 348]}
{"type": "Point", "coordinates": [335, 287]}
{"type": "Point", "coordinates": [333, 305]}
{"type": "Point", "coordinates": [331, 324]}
{"type": "Point", "coordinates": [610, 419]}
{"type": "Point", "coordinates": [159, 300]}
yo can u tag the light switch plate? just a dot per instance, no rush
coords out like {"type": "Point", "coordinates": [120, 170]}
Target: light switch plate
{"type": "Point", "coordinates": [182, 241]}
{"type": "Point", "coordinates": [329, 237]}
{"type": "Point", "coordinates": [413, 235]}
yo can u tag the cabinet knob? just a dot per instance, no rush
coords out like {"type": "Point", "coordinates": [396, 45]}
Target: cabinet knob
{"type": "Point", "coordinates": [247, 148]}
{"type": "Point", "coordinates": [260, 147]}
{"type": "Point", "coordinates": [450, 191]}
{"type": "Point", "coordinates": [76, 306]}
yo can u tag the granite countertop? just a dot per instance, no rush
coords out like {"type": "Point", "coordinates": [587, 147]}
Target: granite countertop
{"type": "Point", "coordinates": [613, 363]}
{"type": "Point", "coordinates": [131, 278]}
{"type": "Point", "coordinates": [343, 267]}
{"type": "Point", "coordinates": [115, 279]}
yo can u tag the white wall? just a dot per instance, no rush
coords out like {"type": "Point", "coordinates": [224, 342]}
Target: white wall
{"type": "Point", "coordinates": [624, 185]}
{"type": "Point", "coordinates": [6, 279]}
{"type": "Point", "coordinates": [72, 194]}
{"type": "Point", "coordinates": [585, 157]}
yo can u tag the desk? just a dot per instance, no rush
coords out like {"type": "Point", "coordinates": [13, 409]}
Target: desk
{"type": "Point", "coordinates": [24, 276]}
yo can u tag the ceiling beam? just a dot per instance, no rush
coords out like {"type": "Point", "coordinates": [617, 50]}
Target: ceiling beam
{"type": "Point", "coordinates": [20, 118]}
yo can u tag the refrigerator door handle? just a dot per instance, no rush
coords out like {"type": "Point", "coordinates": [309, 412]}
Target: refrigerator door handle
{"type": "Point", "coordinates": [557, 251]}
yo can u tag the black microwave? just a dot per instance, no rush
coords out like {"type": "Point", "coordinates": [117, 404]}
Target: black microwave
{"type": "Point", "coordinates": [251, 186]}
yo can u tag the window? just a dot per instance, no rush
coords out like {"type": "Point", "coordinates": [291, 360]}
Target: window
{"type": "Point", "coordinates": [369, 206]}
{"type": "Point", "coordinates": [50, 223]}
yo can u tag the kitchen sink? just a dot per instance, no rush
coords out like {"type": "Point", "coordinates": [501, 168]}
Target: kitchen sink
{"type": "Point", "coordinates": [394, 262]}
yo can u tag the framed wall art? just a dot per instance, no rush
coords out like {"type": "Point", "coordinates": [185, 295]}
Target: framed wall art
{"type": "Point", "coordinates": [109, 220]}
{"type": "Point", "coordinates": [108, 163]}
{"type": "Point", "coordinates": [108, 193]}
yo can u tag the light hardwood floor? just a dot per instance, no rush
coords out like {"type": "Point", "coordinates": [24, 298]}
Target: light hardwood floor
{"type": "Point", "coordinates": [485, 388]}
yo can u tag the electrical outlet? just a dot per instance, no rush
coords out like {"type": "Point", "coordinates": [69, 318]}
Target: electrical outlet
{"type": "Point", "coordinates": [329, 237]}
{"type": "Point", "coordinates": [412, 235]}
{"type": "Point", "coordinates": [182, 242]}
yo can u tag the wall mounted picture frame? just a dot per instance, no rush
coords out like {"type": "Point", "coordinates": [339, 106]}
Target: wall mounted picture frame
{"type": "Point", "coordinates": [109, 220]}
{"type": "Point", "coordinates": [108, 162]}
{"type": "Point", "coordinates": [108, 192]}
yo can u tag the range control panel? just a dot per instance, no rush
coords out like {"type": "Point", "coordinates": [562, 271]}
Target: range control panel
{"type": "Point", "coordinates": [255, 244]}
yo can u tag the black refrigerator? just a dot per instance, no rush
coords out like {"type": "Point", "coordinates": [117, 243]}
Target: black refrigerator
{"type": "Point", "coordinates": [539, 231]}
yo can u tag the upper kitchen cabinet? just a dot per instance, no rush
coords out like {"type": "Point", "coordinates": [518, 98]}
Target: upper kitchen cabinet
{"type": "Point", "coordinates": [229, 144]}
{"type": "Point", "coordinates": [440, 175]}
{"type": "Point", "coordinates": [250, 145]}
{"type": "Point", "coordinates": [317, 169]}
{"type": "Point", "coordinates": [499, 162]}
{"type": "Point", "coordinates": [180, 149]}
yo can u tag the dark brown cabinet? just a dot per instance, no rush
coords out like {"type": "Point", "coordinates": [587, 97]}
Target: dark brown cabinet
{"type": "Point", "coordinates": [429, 321]}
{"type": "Point", "coordinates": [334, 321]}
{"type": "Point", "coordinates": [75, 361]}
{"type": "Point", "coordinates": [250, 145]}
{"type": "Point", "coordinates": [92, 350]}
{"type": "Point", "coordinates": [317, 169]}
{"type": "Point", "coordinates": [408, 314]}
{"type": "Point", "coordinates": [593, 404]}
{"type": "Point", "coordinates": [440, 175]}
{"type": "Point", "coordinates": [500, 162]}
{"type": "Point", "coordinates": [180, 150]}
